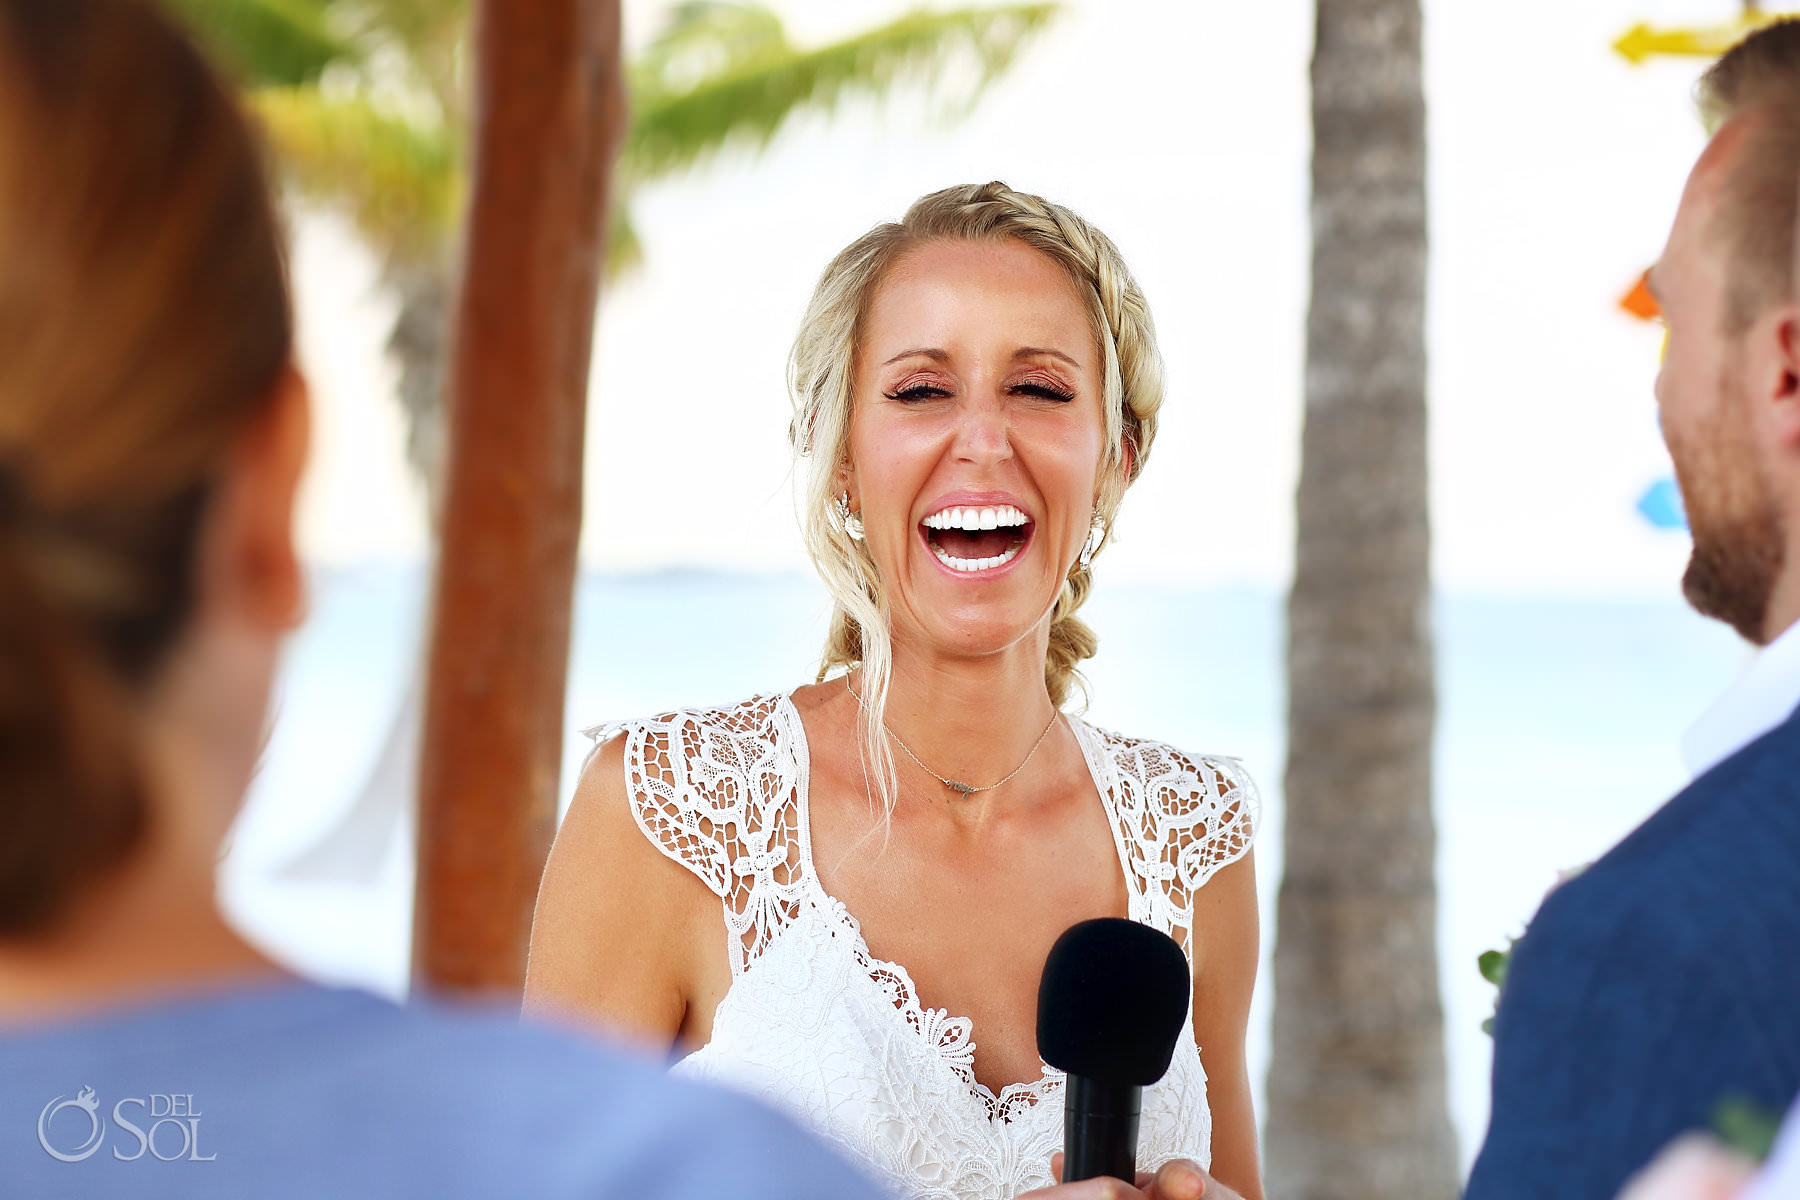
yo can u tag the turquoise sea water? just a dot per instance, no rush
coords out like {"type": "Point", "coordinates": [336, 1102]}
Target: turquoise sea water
{"type": "Point", "coordinates": [1558, 727]}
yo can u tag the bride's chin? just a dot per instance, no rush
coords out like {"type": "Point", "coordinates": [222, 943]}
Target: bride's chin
{"type": "Point", "coordinates": [994, 630]}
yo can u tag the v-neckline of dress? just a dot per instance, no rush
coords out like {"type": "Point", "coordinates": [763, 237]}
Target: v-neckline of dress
{"type": "Point", "coordinates": [998, 1104]}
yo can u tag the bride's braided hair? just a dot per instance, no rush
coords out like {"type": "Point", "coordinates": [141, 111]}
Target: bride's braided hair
{"type": "Point", "coordinates": [821, 374]}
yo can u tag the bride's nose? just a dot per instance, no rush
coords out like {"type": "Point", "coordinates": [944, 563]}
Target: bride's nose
{"type": "Point", "coordinates": [982, 433]}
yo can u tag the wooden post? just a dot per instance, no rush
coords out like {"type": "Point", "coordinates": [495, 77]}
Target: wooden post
{"type": "Point", "coordinates": [549, 113]}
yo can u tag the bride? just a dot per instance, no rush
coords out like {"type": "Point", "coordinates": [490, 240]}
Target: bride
{"type": "Point", "coordinates": [895, 848]}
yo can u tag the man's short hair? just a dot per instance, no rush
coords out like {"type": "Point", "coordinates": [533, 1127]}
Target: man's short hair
{"type": "Point", "coordinates": [1759, 204]}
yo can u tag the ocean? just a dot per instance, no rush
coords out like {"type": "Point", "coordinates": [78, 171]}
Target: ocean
{"type": "Point", "coordinates": [1558, 729]}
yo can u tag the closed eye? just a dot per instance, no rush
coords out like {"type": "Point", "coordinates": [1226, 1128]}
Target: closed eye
{"type": "Point", "coordinates": [1044, 392]}
{"type": "Point", "coordinates": [917, 392]}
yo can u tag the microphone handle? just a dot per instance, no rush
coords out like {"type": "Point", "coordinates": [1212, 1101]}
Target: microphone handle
{"type": "Point", "coordinates": [1100, 1129]}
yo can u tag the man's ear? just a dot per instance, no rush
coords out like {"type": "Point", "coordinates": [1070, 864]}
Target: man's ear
{"type": "Point", "coordinates": [258, 560]}
{"type": "Point", "coordinates": [1776, 375]}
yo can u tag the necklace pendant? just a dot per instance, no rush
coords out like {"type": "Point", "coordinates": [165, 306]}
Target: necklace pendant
{"type": "Point", "coordinates": [957, 785]}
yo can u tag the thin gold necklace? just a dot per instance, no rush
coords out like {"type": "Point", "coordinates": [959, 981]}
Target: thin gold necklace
{"type": "Point", "coordinates": [957, 785]}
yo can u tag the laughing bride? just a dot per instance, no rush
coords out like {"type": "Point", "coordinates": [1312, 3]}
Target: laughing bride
{"type": "Point", "coordinates": [975, 388]}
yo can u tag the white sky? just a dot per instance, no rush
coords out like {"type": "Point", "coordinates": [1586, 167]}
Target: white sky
{"type": "Point", "coordinates": [1182, 130]}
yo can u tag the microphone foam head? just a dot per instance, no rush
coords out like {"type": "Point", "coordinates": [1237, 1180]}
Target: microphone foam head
{"type": "Point", "coordinates": [1111, 1003]}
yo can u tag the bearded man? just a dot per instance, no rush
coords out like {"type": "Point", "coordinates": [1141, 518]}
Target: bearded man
{"type": "Point", "coordinates": [1663, 983]}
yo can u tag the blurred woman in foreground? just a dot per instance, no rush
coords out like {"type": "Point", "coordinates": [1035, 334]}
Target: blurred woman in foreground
{"type": "Point", "coordinates": [152, 436]}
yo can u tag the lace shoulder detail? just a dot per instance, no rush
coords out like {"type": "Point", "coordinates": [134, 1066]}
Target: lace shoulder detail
{"type": "Point", "coordinates": [1179, 818]}
{"type": "Point", "coordinates": [718, 791]}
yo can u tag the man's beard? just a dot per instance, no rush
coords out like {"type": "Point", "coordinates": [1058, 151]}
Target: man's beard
{"type": "Point", "coordinates": [1740, 543]}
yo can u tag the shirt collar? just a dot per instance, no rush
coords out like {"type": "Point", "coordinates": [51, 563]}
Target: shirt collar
{"type": "Point", "coordinates": [1764, 695]}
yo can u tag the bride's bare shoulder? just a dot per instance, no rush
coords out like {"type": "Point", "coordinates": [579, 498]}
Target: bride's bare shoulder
{"type": "Point", "coordinates": [830, 699]}
{"type": "Point", "coordinates": [608, 894]}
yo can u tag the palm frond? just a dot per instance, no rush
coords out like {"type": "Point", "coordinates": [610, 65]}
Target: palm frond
{"type": "Point", "coordinates": [279, 43]}
{"type": "Point", "coordinates": [749, 100]}
{"type": "Point", "coordinates": [418, 25]}
{"type": "Point", "coordinates": [701, 38]}
{"type": "Point", "coordinates": [401, 182]}
{"type": "Point", "coordinates": [425, 40]}
{"type": "Point", "coordinates": [718, 73]}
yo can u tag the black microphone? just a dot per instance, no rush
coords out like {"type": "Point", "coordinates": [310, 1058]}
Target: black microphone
{"type": "Point", "coordinates": [1110, 1007]}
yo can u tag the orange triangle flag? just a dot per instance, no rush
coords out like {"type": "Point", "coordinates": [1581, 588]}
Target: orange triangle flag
{"type": "Point", "coordinates": [1639, 302]}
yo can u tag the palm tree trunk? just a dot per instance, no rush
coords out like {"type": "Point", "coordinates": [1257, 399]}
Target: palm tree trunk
{"type": "Point", "coordinates": [549, 114]}
{"type": "Point", "coordinates": [1357, 1105]}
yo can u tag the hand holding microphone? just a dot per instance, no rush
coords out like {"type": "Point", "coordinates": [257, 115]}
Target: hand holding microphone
{"type": "Point", "coordinates": [1177, 1179]}
{"type": "Point", "coordinates": [1110, 1007]}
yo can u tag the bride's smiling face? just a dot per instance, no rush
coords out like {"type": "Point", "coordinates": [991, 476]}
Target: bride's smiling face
{"type": "Point", "coordinates": [975, 440]}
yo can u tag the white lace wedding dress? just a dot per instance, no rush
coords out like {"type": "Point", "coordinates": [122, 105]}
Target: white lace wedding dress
{"type": "Point", "coordinates": [815, 1024]}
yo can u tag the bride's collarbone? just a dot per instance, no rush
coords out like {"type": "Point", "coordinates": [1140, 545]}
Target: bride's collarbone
{"type": "Point", "coordinates": [970, 925]}
{"type": "Point", "coordinates": [1024, 862]}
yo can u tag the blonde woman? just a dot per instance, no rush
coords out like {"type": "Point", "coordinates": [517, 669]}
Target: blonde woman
{"type": "Point", "coordinates": [895, 847]}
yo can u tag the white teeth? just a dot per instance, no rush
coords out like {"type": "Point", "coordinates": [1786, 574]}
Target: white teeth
{"type": "Point", "coordinates": [1000, 517]}
{"type": "Point", "coordinates": [970, 565]}
{"type": "Point", "coordinates": [1003, 516]}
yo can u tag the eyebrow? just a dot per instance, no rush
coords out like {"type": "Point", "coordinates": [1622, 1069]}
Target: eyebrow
{"type": "Point", "coordinates": [932, 353]}
{"type": "Point", "coordinates": [937, 355]}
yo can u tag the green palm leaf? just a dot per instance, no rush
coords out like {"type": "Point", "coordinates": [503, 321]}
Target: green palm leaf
{"type": "Point", "coordinates": [701, 38]}
{"type": "Point", "coordinates": [423, 41]}
{"type": "Point", "coordinates": [417, 25]}
{"type": "Point", "coordinates": [760, 84]}
{"type": "Point", "coordinates": [267, 42]}
{"type": "Point", "coordinates": [400, 180]}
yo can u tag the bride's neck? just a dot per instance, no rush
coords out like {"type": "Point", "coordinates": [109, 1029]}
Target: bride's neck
{"type": "Point", "coordinates": [969, 719]}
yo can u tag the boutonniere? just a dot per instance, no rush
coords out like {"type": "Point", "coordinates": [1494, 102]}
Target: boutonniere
{"type": "Point", "coordinates": [1493, 964]}
{"type": "Point", "coordinates": [1746, 1127]}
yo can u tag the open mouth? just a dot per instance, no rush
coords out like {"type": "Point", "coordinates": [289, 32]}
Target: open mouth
{"type": "Point", "coordinates": [976, 539]}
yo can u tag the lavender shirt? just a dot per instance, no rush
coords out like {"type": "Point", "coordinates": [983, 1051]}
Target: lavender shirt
{"type": "Point", "coordinates": [288, 1089]}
